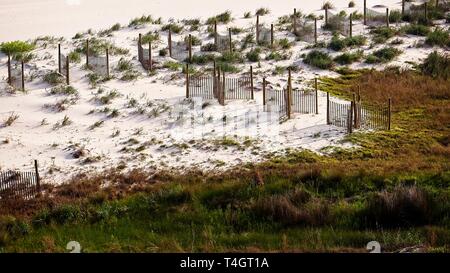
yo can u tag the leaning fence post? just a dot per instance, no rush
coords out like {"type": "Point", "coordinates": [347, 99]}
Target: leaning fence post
{"type": "Point", "coordinates": [38, 182]}
{"type": "Point", "coordinates": [229, 40]}
{"type": "Point", "coordinates": [351, 25]}
{"type": "Point", "coordinates": [59, 58]}
{"type": "Point", "coordinates": [169, 39]}
{"type": "Point", "coordinates": [190, 47]}
{"type": "Point", "coordinates": [389, 114]}
{"type": "Point", "coordinates": [251, 82]}
{"type": "Point", "coordinates": [87, 52]}
{"type": "Point", "coordinates": [107, 62]}
{"type": "Point", "coordinates": [271, 35]}
{"type": "Point", "coordinates": [9, 69]}
{"type": "Point", "coordinates": [365, 12]}
{"type": "Point", "coordinates": [67, 71]}
{"type": "Point", "coordinates": [150, 57]}
{"type": "Point", "coordinates": [23, 76]}
{"type": "Point", "coordinates": [328, 108]}
{"type": "Point", "coordinates": [317, 98]}
{"type": "Point", "coordinates": [187, 80]}
{"type": "Point", "coordinates": [326, 16]}
{"type": "Point", "coordinates": [387, 17]}
{"type": "Point", "coordinates": [315, 31]}
{"type": "Point", "coordinates": [257, 29]}
{"type": "Point", "coordinates": [264, 91]}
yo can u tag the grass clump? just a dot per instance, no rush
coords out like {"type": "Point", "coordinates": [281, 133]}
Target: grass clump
{"type": "Point", "coordinates": [436, 65]}
{"type": "Point", "coordinates": [349, 58]}
{"type": "Point", "coordinates": [338, 44]}
{"type": "Point", "coordinates": [139, 21]}
{"type": "Point", "coordinates": [16, 47]}
{"type": "Point", "coordinates": [419, 30]}
{"type": "Point", "coordinates": [10, 119]}
{"type": "Point", "coordinates": [54, 78]}
{"type": "Point", "coordinates": [438, 37]}
{"type": "Point", "coordinates": [319, 59]}
{"type": "Point", "coordinates": [382, 34]}
{"type": "Point", "coordinates": [63, 90]}
{"type": "Point", "coordinates": [262, 11]}
{"type": "Point", "coordinates": [223, 18]}
{"type": "Point", "coordinates": [383, 55]}
{"type": "Point", "coordinates": [254, 55]}
{"type": "Point", "coordinates": [74, 57]}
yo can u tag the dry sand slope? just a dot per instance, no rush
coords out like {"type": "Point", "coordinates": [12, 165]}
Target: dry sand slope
{"type": "Point", "coordinates": [154, 127]}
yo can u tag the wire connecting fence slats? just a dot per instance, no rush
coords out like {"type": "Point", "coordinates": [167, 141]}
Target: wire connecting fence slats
{"type": "Point", "coordinates": [304, 101]}
{"type": "Point", "coordinates": [238, 88]}
{"type": "Point", "coordinates": [339, 113]}
{"type": "Point", "coordinates": [371, 117]}
{"type": "Point", "coordinates": [202, 87]}
{"type": "Point", "coordinates": [276, 101]}
{"type": "Point", "coordinates": [15, 184]}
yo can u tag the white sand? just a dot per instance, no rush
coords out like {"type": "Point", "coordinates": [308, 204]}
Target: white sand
{"type": "Point", "coordinates": [168, 138]}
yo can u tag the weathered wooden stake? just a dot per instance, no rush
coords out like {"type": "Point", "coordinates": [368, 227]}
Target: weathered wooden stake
{"type": "Point", "coordinates": [389, 114]}
{"type": "Point", "coordinates": [140, 53]}
{"type": "Point", "coordinates": [257, 29]}
{"type": "Point", "coordinates": [170, 41]}
{"type": "Point", "coordinates": [328, 107]}
{"type": "Point", "coordinates": [222, 94]}
{"type": "Point", "coordinates": [288, 98]}
{"type": "Point", "coordinates": [387, 17]}
{"type": "Point", "coordinates": [87, 52]}
{"type": "Point", "coordinates": [229, 40]}
{"type": "Point", "coordinates": [67, 71]}
{"type": "Point", "coordinates": [190, 47]}
{"type": "Point", "coordinates": [317, 98]}
{"type": "Point", "coordinates": [59, 59]}
{"type": "Point", "coordinates": [251, 82]}
{"type": "Point", "coordinates": [215, 34]}
{"type": "Point", "coordinates": [350, 118]}
{"type": "Point", "coordinates": [107, 62]}
{"type": "Point", "coordinates": [38, 180]}
{"type": "Point", "coordinates": [264, 90]}
{"type": "Point", "coordinates": [187, 80]}
{"type": "Point", "coordinates": [271, 35]}
{"type": "Point", "coordinates": [23, 77]}
{"type": "Point", "coordinates": [355, 116]}
{"type": "Point", "coordinates": [315, 31]}
{"type": "Point", "coordinates": [403, 8]}
{"type": "Point", "coordinates": [326, 16]}
{"type": "Point", "coordinates": [294, 21]}
{"type": "Point", "coordinates": [150, 56]}
{"type": "Point", "coordinates": [365, 12]}
{"type": "Point", "coordinates": [9, 69]}
{"type": "Point", "coordinates": [426, 10]}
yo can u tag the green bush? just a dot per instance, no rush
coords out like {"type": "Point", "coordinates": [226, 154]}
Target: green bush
{"type": "Point", "coordinates": [74, 57]}
{"type": "Point", "coordinates": [227, 67]}
{"type": "Point", "coordinates": [419, 30]}
{"type": "Point", "coordinates": [284, 43]}
{"type": "Point", "coordinates": [231, 57]}
{"type": "Point", "coordinates": [124, 65]}
{"type": "Point", "coordinates": [262, 11]}
{"type": "Point", "coordinates": [383, 55]}
{"type": "Point", "coordinates": [150, 37]}
{"type": "Point", "coordinates": [202, 59]}
{"type": "Point", "coordinates": [16, 47]}
{"type": "Point", "coordinates": [319, 59]}
{"type": "Point", "coordinates": [141, 21]}
{"type": "Point", "coordinates": [223, 18]}
{"type": "Point", "coordinates": [253, 55]}
{"type": "Point", "coordinates": [348, 58]}
{"type": "Point", "coordinates": [436, 65]}
{"type": "Point", "coordinates": [395, 16]}
{"type": "Point", "coordinates": [173, 27]}
{"type": "Point", "coordinates": [338, 44]}
{"type": "Point", "coordinates": [438, 37]}
{"type": "Point", "coordinates": [209, 47]}
{"type": "Point", "coordinates": [382, 34]}
{"type": "Point", "coordinates": [54, 78]}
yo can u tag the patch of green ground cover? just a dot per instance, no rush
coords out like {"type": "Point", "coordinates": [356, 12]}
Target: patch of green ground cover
{"type": "Point", "coordinates": [326, 212]}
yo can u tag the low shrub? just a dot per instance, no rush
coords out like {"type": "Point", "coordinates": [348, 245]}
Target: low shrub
{"type": "Point", "coordinates": [436, 65]}
{"type": "Point", "coordinates": [419, 30]}
{"type": "Point", "coordinates": [319, 59]}
{"type": "Point", "coordinates": [438, 37]}
{"type": "Point", "coordinates": [54, 78]}
{"type": "Point", "coordinates": [348, 58]}
{"type": "Point", "coordinates": [383, 55]}
{"type": "Point", "coordinates": [253, 55]}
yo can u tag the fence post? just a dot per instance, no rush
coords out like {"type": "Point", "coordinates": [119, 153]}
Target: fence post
{"type": "Point", "coordinates": [190, 47]}
{"type": "Point", "coordinates": [170, 41]}
{"type": "Point", "coordinates": [107, 62]}
{"type": "Point", "coordinates": [317, 98]}
{"type": "Point", "coordinates": [351, 25]}
{"type": "Point", "coordinates": [387, 17]}
{"type": "Point", "coordinates": [257, 29]}
{"type": "Point", "coordinates": [426, 10]}
{"type": "Point", "coordinates": [403, 8]}
{"type": "Point", "coordinates": [59, 58]}
{"type": "Point", "coordinates": [9, 69]}
{"type": "Point", "coordinates": [229, 40]}
{"type": "Point", "coordinates": [23, 76]}
{"type": "Point", "coordinates": [294, 21]}
{"type": "Point", "coordinates": [326, 16]}
{"type": "Point", "coordinates": [389, 114]}
{"type": "Point", "coordinates": [87, 53]}
{"type": "Point", "coordinates": [288, 98]}
{"type": "Point", "coordinates": [315, 31]}
{"type": "Point", "coordinates": [215, 34]}
{"type": "Point", "coordinates": [67, 71]}
{"type": "Point", "coordinates": [38, 181]}
{"type": "Point", "coordinates": [271, 35]}
{"type": "Point", "coordinates": [328, 108]}
{"type": "Point", "coordinates": [365, 12]}
{"type": "Point", "coordinates": [251, 82]}
{"type": "Point", "coordinates": [187, 80]}
{"type": "Point", "coordinates": [150, 57]}
{"type": "Point", "coordinates": [355, 115]}
{"type": "Point", "coordinates": [350, 118]}
{"type": "Point", "coordinates": [223, 89]}
{"type": "Point", "coordinates": [264, 91]}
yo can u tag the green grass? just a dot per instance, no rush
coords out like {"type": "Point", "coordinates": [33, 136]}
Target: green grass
{"type": "Point", "coordinates": [383, 55]}
{"type": "Point", "coordinates": [348, 58]}
{"type": "Point", "coordinates": [438, 37]}
{"type": "Point", "coordinates": [338, 44]}
{"type": "Point", "coordinates": [16, 47]}
{"type": "Point", "coordinates": [319, 59]}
